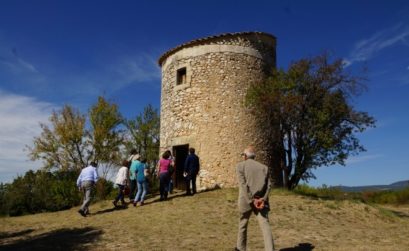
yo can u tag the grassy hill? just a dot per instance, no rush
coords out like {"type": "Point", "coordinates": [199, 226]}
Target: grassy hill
{"type": "Point", "coordinates": [208, 221]}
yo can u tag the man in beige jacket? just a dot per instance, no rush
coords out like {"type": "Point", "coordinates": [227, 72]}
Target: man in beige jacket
{"type": "Point", "coordinates": [254, 187]}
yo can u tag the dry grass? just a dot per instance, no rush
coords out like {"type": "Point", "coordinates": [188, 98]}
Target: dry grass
{"type": "Point", "coordinates": [208, 221]}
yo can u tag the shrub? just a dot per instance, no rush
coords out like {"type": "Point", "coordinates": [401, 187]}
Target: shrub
{"type": "Point", "coordinates": [403, 196]}
{"type": "Point", "coordinates": [104, 189]}
{"type": "Point", "coordinates": [379, 197]}
{"type": "Point", "coordinates": [323, 192]}
{"type": "Point", "coordinates": [387, 197]}
{"type": "Point", "coordinates": [40, 191]}
{"type": "Point", "coordinates": [306, 190]}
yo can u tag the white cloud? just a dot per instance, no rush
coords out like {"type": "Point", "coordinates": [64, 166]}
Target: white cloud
{"type": "Point", "coordinates": [20, 117]}
{"type": "Point", "coordinates": [368, 48]}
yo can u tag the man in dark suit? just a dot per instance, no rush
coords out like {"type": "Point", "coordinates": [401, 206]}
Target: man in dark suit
{"type": "Point", "coordinates": [254, 187]}
{"type": "Point", "coordinates": [192, 168]}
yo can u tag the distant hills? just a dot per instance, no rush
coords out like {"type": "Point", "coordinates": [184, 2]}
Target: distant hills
{"type": "Point", "coordinates": [392, 187]}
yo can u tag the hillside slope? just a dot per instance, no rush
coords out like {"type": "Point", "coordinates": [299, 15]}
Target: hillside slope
{"type": "Point", "coordinates": [208, 221]}
{"type": "Point", "coordinates": [400, 185]}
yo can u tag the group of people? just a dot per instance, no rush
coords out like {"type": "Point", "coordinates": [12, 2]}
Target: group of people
{"type": "Point", "coordinates": [132, 176]}
{"type": "Point", "coordinates": [253, 179]}
{"type": "Point", "coordinates": [166, 168]}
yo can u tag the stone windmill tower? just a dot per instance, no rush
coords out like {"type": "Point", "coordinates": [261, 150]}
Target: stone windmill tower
{"type": "Point", "coordinates": [204, 83]}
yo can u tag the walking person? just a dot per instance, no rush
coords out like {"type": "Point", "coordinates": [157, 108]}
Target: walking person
{"type": "Point", "coordinates": [134, 159]}
{"type": "Point", "coordinates": [141, 183]}
{"type": "Point", "coordinates": [171, 171]}
{"type": "Point", "coordinates": [85, 182]}
{"type": "Point", "coordinates": [191, 169]}
{"type": "Point", "coordinates": [163, 173]}
{"type": "Point", "coordinates": [122, 181]}
{"type": "Point", "coordinates": [254, 187]}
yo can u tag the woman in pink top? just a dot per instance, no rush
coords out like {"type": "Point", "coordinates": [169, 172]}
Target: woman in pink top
{"type": "Point", "coordinates": [163, 172]}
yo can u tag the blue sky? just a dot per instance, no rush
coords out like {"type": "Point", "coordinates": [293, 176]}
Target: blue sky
{"type": "Point", "coordinates": [69, 52]}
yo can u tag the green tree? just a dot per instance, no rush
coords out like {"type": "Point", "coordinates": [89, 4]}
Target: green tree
{"type": "Point", "coordinates": [308, 117]}
{"type": "Point", "coordinates": [61, 145]}
{"type": "Point", "coordinates": [105, 137]}
{"type": "Point", "coordinates": [144, 133]}
{"type": "Point", "coordinates": [3, 200]}
{"type": "Point", "coordinates": [67, 144]}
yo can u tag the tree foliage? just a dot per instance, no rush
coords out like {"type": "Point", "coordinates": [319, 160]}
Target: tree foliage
{"type": "Point", "coordinates": [144, 133]}
{"type": "Point", "coordinates": [308, 117]}
{"type": "Point", "coordinates": [68, 144]}
{"type": "Point", "coordinates": [40, 191]}
{"type": "Point", "coordinates": [43, 191]}
{"type": "Point", "coordinates": [61, 145]}
{"type": "Point", "coordinates": [105, 137]}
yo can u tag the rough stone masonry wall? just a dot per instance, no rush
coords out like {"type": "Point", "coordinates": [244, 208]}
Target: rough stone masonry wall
{"type": "Point", "coordinates": [208, 112]}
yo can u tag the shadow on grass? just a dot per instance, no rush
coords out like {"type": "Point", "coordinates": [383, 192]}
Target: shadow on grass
{"type": "Point", "coordinates": [300, 247]}
{"type": "Point", "coordinates": [110, 210]}
{"type": "Point", "coordinates": [179, 193]}
{"type": "Point", "coordinates": [4, 235]}
{"type": "Point", "coordinates": [61, 239]}
{"type": "Point", "coordinates": [154, 198]}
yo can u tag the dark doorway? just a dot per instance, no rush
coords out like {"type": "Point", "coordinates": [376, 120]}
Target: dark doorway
{"type": "Point", "coordinates": [180, 153]}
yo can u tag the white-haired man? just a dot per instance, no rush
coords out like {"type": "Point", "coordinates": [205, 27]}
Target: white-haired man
{"type": "Point", "coordinates": [254, 187]}
{"type": "Point", "coordinates": [85, 182]}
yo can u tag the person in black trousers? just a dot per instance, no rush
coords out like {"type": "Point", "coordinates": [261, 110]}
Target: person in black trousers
{"type": "Point", "coordinates": [191, 169]}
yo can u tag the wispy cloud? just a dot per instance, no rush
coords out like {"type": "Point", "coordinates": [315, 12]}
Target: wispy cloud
{"type": "Point", "coordinates": [18, 72]}
{"type": "Point", "coordinates": [10, 59]}
{"type": "Point", "coordinates": [111, 73]}
{"type": "Point", "coordinates": [20, 117]}
{"type": "Point", "coordinates": [130, 70]}
{"type": "Point", "coordinates": [363, 158]}
{"type": "Point", "coordinates": [368, 48]}
{"type": "Point", "coordinates": [110, 76]}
